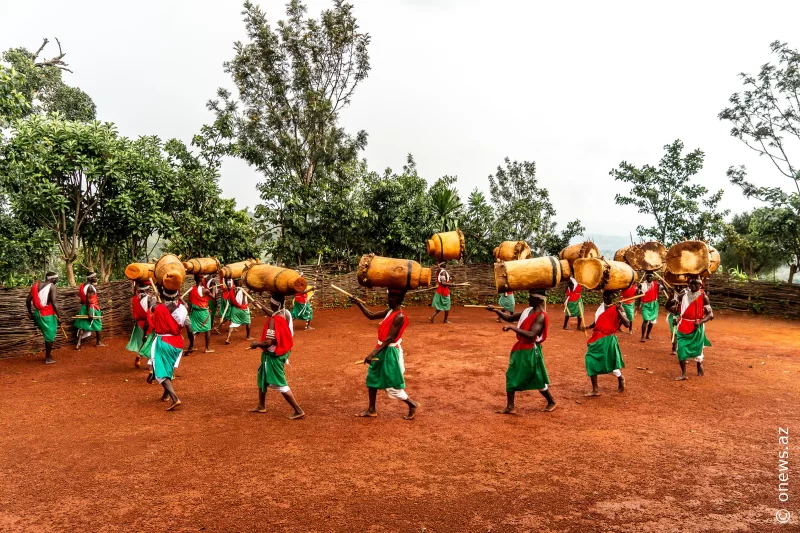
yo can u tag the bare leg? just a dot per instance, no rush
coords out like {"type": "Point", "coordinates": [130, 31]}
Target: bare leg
{"type": "Point", "coordinates": [446, 314]}
{"type": "Point", "coordinates": [247, 330]}
{"type": "Point", "coordinates": [208, 342]}
{"type": "Point", "coordinates": [167, 384]}
{"type": "Point", "coordinates": [700, 369]}
{"type": "Point", "coordinates": [308, 325]}
{"type": "Point", "coordinates": [675, 345]}
{"type": "Point", "coordinates": [98, 340]}
{"type": "Point", "coordinates": [649, 329]}
{"type": "Point", "coordinates": [228, 338]}
{"type": "Point", "coordinates": [48, 353]}
{"type": "Point", "coordinates": [510, 409]}
{"type": "Point", "coordinates": [298, 411]}
{"type": "Point", "coordinates": [136, 362]}
{"type": "Point", "coordinates": [551, 403]}
{"type": "Point", "coordinates": [262, 402]}
{"type": "Point", "coordinates": [190, 334]}
{"type": "Point", "coordinates": [621, 381]}
{"type": "Point", "coordinates": [644, 330]}
{"type": "Point", "coordinates": [371, 411]}
{"type": "Point", "coordinates": [580, 324]}
{"type": "Point", "coordinates": [80, 339]}
{"type": "Point", "coordinates": [433, 316]}
{"type": "Point", "coordinates": [566, 321]}
{"type": "Point", "coordinates": [412, 408]}
{"type": "Point", "coordinates": [595, 390]}
{"type": "Point", "coordinates": [682, 377]}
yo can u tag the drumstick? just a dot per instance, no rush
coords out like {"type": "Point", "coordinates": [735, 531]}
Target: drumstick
{"type": "Point", "coordinates": [481, 306]}
{"type": "Point", "coordinates": [363, 363]}
{"type": "Point", "coordinates": [662, 279]}
{"type": "Point", "coordinates": [183, 296]}
{"type": "Point", "coordinates": [334, 287]}
{"type": "Point", "coordinates": [155, 289]}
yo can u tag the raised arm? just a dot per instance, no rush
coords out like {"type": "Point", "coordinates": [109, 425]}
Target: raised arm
{"type": "Point", "coordinates": [514, 317]}
{"type": "Point", "coordinates": [535, 331]}
{"type": "Point", "coordinates": [367, 313]}
{"type": "Point", "coordinates": [397, 323]}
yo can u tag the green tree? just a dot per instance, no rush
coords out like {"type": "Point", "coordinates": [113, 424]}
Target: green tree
{"type": "Point", "coordinates": [293, 80]}
{"type": "Point", "coordinates": [765, 116]}
{"type": "Point", "coordinates": [44, 88]}
{"type": "Point", "coordinates": [13, 104]}
{"type": "Point", "coordinates": [523, 210]}
{"type": "Point", "coordinates": [745, 246]}
{"type": "Point", "coordinates": [57, 172]}
{"type": "Point", "coordinates": [447, 205]}
{"type": "Point", "coordinates": [479, 229]}
{"type": "Point", "coordinates": [667, 194]}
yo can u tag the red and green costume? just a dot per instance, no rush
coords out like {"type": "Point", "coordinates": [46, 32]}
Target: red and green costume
{"type": "Point", "coordinates": [199, 315]}
{"type": "Point", "coordinates": [271, 371]}
{"type": "Point", "coordinates": [574, 302]}
{"type": "Point", "coordinates": [139, 312]}
{"type": "Point", "coordinates": [240, 311]}
{"type": "Point", "coordinates": [507, 302]}
{"type": "Point", "coordinates": [441, 299]}
{"type": "Point", "coordinates": [44, 316]}
{"type": "Point", "coordinates": [90, 307]}
{"type": "Point", "coordinates": [167, 346]}
{"type": "Point", "coordinates": [387, 368]}
{"type": "Point", "coordinates": [603, 355]}
{"type": "Point", "coordinates": [526, 370]}
{"type": "Point", "coordinates": [629, 307]}
{"type": "Point", "coordinates": [302, 308]}
{"type": "Point", "coordinates": [692, 336]}
{"type": "Point", "coordinates": [650, 301]}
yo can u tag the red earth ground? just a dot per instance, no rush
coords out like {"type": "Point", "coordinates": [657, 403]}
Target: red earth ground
{"type": "Point", "coordinates": [85, 445]}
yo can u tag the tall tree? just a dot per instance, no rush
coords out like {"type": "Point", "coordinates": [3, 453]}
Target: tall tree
{"type": "Point", "coordinates": [479, 229]}
{"type": "Point", "coordinates": [523, 210]}
{"type": "Point", "coordinates": [57, 172]}
{"type": "Point", "coordinates": [13, 104]}
{"type": "Point", "coordinates": [292, 82]}
{"type": "Point", "coordinates": [44, 87]}
{"type": "Point", "coordinates": [750, 245]}
{"type": "Point", "coordinates": [766, 118]}
{"type": "Point", "coordinates": [667, 194]}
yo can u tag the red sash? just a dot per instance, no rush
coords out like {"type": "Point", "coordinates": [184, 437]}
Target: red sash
{"type": "Point", "coordinates": [162, 323]}
{"type": "Point", "coordinates": [607, 324]}
{"type": "Point", "coordinates": [386, 327]}
{"type": "Point", "coordinates": [139, 314]}
{"type": "Point", "coordinates": [652, 293]}
{"type": "Point", "coordinates": [573, 296]}
{"type": "Point", "coordinates": [695, 311]}
{"type": "Point", "coordinates": [527, 344]}
{"type": "Point", "coordinates": [630, 292]}
{"type": "Point", "coordinates": [301, 298]}
{"type": "Point", "coordinates": [197, 300]}
{"type": "Point", "coordinates": [44, 310]}
{"type": "Point", "coordinates": [283, 335]}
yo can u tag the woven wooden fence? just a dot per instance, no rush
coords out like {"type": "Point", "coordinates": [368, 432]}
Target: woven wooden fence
{"type": "Point", "coordinates": [18, 335]}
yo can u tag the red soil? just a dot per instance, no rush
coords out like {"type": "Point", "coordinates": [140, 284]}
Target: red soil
{"type": "Point", "coordinates": [87, 446]}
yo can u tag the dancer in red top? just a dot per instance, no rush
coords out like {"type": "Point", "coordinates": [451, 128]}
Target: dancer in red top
{"type": "Point", "coordinates": [695, 311]}
{"type": "Point", "coordinates": [90, 309]}
{"type": "Point", "coordinates": [441, 299]}
{"type": "Point", "coordinates": [573, 304]}
{"type": "Point", "coordinates": [42, 309]}
{"type": "Point", "coordinates": [199, 314]}
{"type": "Point", "coordinates": [649, 288]}
{"type": "Point", "coordinates": [603, 355]}
{"type": "Point", "coordinates": [166, 319]}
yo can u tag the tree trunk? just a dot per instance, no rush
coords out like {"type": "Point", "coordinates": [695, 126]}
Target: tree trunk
{"type": "Point", "coordinates": [792, 272]}
{"type": "Point", "coordinates": [70, 273]}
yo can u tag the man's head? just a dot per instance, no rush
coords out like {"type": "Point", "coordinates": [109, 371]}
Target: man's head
{"type": "Point", "coordinates": [537, 297]}
{"type": "Point", "coordinates": [198, 279]}
{"type": "Point", "coordinates": [695, 284]}
{"type": "Point", "coordinates": [91, 277]}
{"type": "Point", "coordinates": [143, 286]}
{"type": "Point", "coordinates": [648, 276]}
{"type": "Point", "coordinates": [608, 297]}
{"type": "Point", "coordinates": [51, 277]}
{"type": "Point", "coordinates": [276, 302]}
{"type": "Point", "coordinates": [237, 282]}
{"type": "Point", "coordinates": [396, 297]}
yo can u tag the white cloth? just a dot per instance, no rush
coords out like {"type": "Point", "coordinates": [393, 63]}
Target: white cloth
{"type": "Point", "coordinates": [574, 283]}
{"type": "Point", "coordinates": [617, 373]}
{"type": "Point", "coordinates": [443, 277]}
{"type": "Point", "coordinates": [44, 293]}
{"type": "Point", "coordinates": [241, 299]}
{"type": "Point", "coordinates": [180, 314]}
{"type": "Point", "coordinates": [398, 394]}
{"type": "Point", "coordinates": [600, 311]}
{"type": "Point", "coordinates": [143, 301]}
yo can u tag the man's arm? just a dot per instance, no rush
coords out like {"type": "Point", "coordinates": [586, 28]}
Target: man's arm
{"type": "Point", "coordinates": [28, 303]}
{"type": "Point", "coordinates": [535, 331]}
{"type": "Point", "coordinates": [367, 313]}
{"type": "Point", "coordinates": [503, 315]}
{"type": "Point", "coordinates": [52, 298]}
{"type": "Point", "coordinates": [397, 323]}
{"type": "Point", "coordinates": [623, 317]}
{"type": "Point", "coordinates": [709, 313]}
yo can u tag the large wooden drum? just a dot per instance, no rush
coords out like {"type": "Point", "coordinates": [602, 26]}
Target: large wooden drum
{"type": "Point", "coordinates": [602, 274]}
{"type": "Point", "coordinates": [139, 271]}
{"type": "Point", "coordinates": [448, 246]}
{"type": "Point", "coordinates": [376, 271]}
{"type": "Point", "coordinates": [235, 270]}
{"type": "Point", "coordinates": [581, 250]}
{"type": "Point", "coordinates": [653, 254]}
{"type": "Point", "coordinates": [512, 251]}
{"type": "Point", "coordinates": [528, 274]}
{"type": "Point", "coordinates": [688, 257]}
{"type": "Point", "coordinates": [261, 277]}
{"type": "Point", "coordinates": [202, 265]}
{"type": "Point", "coordinates": [619, 255]}
{"type": "Point", "coordinates": [713, 259]}
{"type": "Point", "coordinates": [169, 272]}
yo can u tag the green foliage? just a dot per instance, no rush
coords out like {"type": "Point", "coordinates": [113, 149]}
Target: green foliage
{"type": "Point", "coordinates": [666, 193]}
{"type": "Point", "coordinates": [447, 204]}
{"type": "Point", "coordinates": [43, 87]}
{"type": "Point", "coordinates": [292, 82]}
{"type": "Point", "coordinates": [13, 104]}
{"type": "Point", "coordinates": [523, 210]}
{"type": "Point", "coordinates": [751, 243]}
{"type": "Point", "coordinates": [479, 229]}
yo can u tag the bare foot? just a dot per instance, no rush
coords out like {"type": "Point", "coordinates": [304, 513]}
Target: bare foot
{"type": "Point", "coordinates": [250, 338]}
{"type": "Point", "coordinates": [136, 363]}
{"type": "Point", "coordinates": [367, 414]}
{"type": "Point", "coordinates": [77, 348]}
{"type": "Point", "coordinates": [309, 328]}
{"type": "Point", "coordinates": [258, 409]}
{"type": "Point", "coordinates": [630, 332]}
{"type": "Point", "coordinates": [209, 351]}
{"type": "Point", "coordinates": [673, 352]}
{"type": "Point", "coordinates": [681, 378]}
{"type": "Point", "coordinates": [228, 342]}
{"type": "Point", "coordinates": [190, 350]}
{"type": "Point", "coordinates": [175, 404]}
{"type": "Point", "coordinates": [621, 384]}
{"type": "Point", "coordinates": [550, 407]}
{"type": "Point", "coordinates": [102, 345]}
{"type": "Point", "coordinates": [642, 340]}
{"type": "Point", "coordinates": [150, 378]}
{"type": "Point", "coordinates": [297, 416]}
{"type": "Point", "coordinates": [49, 361]}
{"type": "Point", "coordinates": [165, 397]}
{"type": "Point", "coordinates": [412, 410]}
{"type": "Point", "coordinates": [593, 393]}
{"type": "Point", "coordinates": [648, 337]}
{"type": "Point", "coordinates": [431, 320]}
{"type": "Point", "coordinates": [447, 322]}
{"type": "Point", "coordinates": [700, 370]}
{"type": "Point", "coordinates": [506, 411]}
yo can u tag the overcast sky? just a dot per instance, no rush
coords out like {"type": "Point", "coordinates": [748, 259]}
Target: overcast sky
{"type": "Point", "coordinates": [577, 87]}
